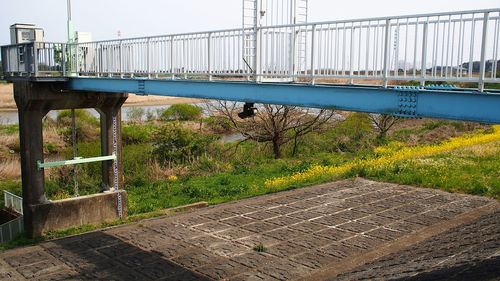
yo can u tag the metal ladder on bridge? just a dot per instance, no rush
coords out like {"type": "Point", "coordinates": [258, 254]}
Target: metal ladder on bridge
{"type": "Point", "coordinates": [250, 11]}
{"type": "Point", "coordinates": [258, 13]}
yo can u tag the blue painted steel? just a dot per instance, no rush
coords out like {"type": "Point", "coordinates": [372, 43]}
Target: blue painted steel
{"type": "Point", "coordinates": [406, 102]}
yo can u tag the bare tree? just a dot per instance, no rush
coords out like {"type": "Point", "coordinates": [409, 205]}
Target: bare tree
{"type": "Point", "coordinates": [383, 123]}
{"type": "Point", "coordinates": [275, 124]}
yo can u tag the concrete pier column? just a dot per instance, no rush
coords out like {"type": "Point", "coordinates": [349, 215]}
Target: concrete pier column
{"type": "Point", "coordinates": [34, 100]}
{"type": "Point", "coordinates": [110, 136]}
{"type": "Point", "coordinates": [31, 150]}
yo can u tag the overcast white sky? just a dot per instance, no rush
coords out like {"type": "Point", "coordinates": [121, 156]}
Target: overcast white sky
{"type": "Point", "coordinates": [153, 17]}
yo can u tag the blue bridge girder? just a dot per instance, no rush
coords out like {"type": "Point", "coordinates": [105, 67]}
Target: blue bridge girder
{"type": "Point", "coordinates": [410, 102]}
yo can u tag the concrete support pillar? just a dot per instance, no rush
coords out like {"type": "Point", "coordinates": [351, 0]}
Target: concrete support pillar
{"type": "Point", "coordinates": [34, 100]}
{"type": "Point", "coordinates": [31, 149]}
{"type": "Point", "coordinates": [109, 138]}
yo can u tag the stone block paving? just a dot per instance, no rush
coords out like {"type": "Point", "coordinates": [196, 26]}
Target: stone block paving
{"type": "Point", "coordinates": [468, 252]}
{"type": "Point", "coordinates": [303, 232]}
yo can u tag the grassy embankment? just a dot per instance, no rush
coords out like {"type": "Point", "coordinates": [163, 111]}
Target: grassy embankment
{"type": "Point", "coordinates": [419, 155]}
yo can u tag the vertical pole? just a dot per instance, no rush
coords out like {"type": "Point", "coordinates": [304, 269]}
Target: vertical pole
{"type": "Point", "coordinates": [148, 54]}
{"type": "Point", "coordinates": [209, 56]}
{"type": "Point", "coordinates": [77, 59]}
{"type": "Point", "coordinates": [258, 41]}
{"type": "Point", "coordinates": [351, 53]}
{"type": "Point", "coordinates": [423, 69]}
{"type": "Point", "coordinates": [484, 41]}
{"type": "Point", "coordinates": [293, 40]}
{"type": "Point", "coordinates": [294, 53]}
{"type": "Point", "coordinates": [71, 34]}
{"type": "Point", "coordinates": [63, 55]}
{"type": "Point", "coordinates": [35, 59]}
{"type": "Point", "coordinates": [387, 51]}
{"type": "Point", "coordinates": [172, 57]}
{"type": "Point", "coordinates": [313, 55]}
{"type": "Point", "coordinates": [98, 58]}
{"type": "Point", "coordinates": [184, 58]}
{"type": "Point", "coordinates": [120, 58]}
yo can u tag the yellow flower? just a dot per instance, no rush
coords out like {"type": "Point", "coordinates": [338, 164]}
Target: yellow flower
{"type": "Point", "coordinates": [172, 178]}
{"type": "Point", "coordinates": [388, 156]}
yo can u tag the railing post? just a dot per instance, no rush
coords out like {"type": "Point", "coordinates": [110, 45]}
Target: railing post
{"type": "Point", "coordinates": [148, 54]}
{"type": "Point", "coordinates": [484, 41]}
{"type": "Point", "coordinates": [120, 58]}
{"type": "Point", "coordinates": [209, 56]}
{"type": "Point", "coordinates": [258, 53]}
{"type": "Point", "coordinates": [387, 52]}
{"type": "Point", "coordinates": [98, 60]}
{"type": "Point", "coordinates": [35, 58]}
{"type": "Point", "coordinates": [293, 53]}
{"type": "Point", "coordinates": [172, 56]}
{"type": "Point", "coordinates": [351, 53]}
{"type": "Point", "coordinates": [63, 57]}
{"type": "Point", "coordinates": [184, 59]}
{"type": "Point", "coordinates": [313, 55]}
{"type": "Point", "coordinates": [76, 69]}
{"type": "Point", "coordinates": [423, 68]}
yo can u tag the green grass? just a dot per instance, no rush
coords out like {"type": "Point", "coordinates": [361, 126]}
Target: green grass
{"type": "Point", "coordinates": [9, 129]}
{"type": "Point", "coordinates": [260, 248]}
{"type": "Point", "coordinates": [463, 171]}
{"type": "Point", "coordinates": [241, 182]}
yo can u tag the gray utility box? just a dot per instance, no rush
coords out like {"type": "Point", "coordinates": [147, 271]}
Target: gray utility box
{"type": "Point", "coordinates": [18, 58]}
{"type": "Point", "coordinates": [25, 33]}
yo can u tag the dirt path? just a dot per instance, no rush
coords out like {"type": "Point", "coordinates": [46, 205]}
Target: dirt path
{"type": "Point", "coordinates": [347, 230]}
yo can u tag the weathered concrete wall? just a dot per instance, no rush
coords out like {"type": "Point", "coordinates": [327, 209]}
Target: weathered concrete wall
{"type": "Point", "coordinates": [63, 214]}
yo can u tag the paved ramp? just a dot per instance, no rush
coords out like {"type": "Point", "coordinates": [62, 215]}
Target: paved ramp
{"type": "Point", "coordinates": [353, 229]}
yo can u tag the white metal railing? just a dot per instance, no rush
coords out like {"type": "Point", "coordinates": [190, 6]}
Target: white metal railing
{"type": "Point", "coordinates": [448, 47]}
{"type": "Point", "coordinates": [13, 202]}
{"type": "Point", "coordinates": [11, 229]}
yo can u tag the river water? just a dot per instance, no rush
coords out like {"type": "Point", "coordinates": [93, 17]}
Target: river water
{"type": "Point", "coordinates": [11, 117]}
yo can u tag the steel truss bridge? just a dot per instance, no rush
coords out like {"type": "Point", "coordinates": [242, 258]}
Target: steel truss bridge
{"type": "Point", "coordinates": [442, 65]}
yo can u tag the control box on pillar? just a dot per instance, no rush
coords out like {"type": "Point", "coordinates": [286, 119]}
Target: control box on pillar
{"type": "Point", "coordinates": [25, 33]}
{"type": "Point", "coordinates": [23, 54]}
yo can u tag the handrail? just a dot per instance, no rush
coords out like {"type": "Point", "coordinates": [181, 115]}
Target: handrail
{"type": "Point", "coordinates": [307, 24]}
{"type": "Point", "coordinates": [462, 46]}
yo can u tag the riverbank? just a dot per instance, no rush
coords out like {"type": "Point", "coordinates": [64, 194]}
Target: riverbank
{"type": "Point", "coordinates": [7, 103]}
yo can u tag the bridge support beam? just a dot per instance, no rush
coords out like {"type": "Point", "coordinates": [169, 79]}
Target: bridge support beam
{"type": "Point", "coordinates": [34, 100]}
{"type": "Point", "coordinates": [451, 103]}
